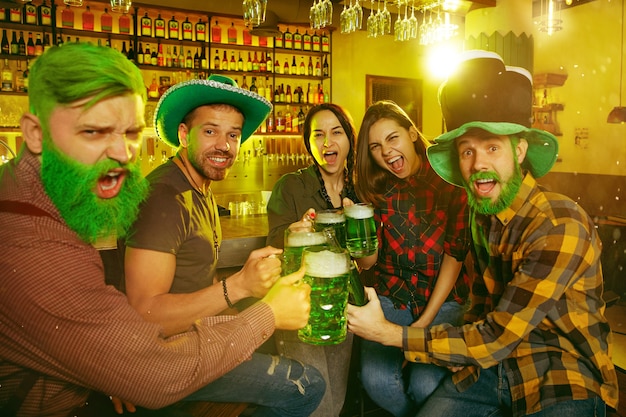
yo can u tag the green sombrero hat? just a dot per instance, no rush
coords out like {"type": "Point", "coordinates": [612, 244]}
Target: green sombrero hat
{"type": "Point", "coordinates": [484, 93]}
{"type": "Point", "coordinates": [183, 97]}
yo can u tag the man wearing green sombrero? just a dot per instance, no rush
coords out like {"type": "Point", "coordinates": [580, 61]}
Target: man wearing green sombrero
{"type": "Point", "coordinates": [172, 251]}
{"type": "Point", "coordinates": [536, 342]}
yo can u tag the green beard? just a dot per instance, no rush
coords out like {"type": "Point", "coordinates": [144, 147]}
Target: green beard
{"type": "Point", "coordinates": [508, 193]}
{"type": "Point", "coordinates": [70, 184]}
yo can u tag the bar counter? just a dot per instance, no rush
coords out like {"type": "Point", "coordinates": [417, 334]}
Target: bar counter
{"type": "Point", "coordinates": [240, 236]}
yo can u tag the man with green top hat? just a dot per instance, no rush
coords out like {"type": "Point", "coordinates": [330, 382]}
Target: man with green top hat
{"type": "Point", "coordinates": [172, 249]}
{"type": "Point", "coordinates": [536, 340]}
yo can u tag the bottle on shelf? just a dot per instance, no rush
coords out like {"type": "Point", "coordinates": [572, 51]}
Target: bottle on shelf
{"type": "Point", "coordinates": [159, 27]}
{"type": "Point", "coordinates": [316, 42]}
{"type": "Point", "coordinates": [6, 47]}
{"type": "Point", "coordinates": [247, 37]}
{"type": "Point", "coordinates": [301, 117]}
{"type": "Point", "coordinates": [253, 85]}
{"type": "Point", "coordinates": [131, 52]}
{"type": "Point", "coordinates": [181, 57]}
{"type": "Point", "coordinates": [44, 14]}
{"type": "Point", "coordinates": [46, 42]}
{"type": "Point", "coordinates": [154, 57]}
{"type": "Point", "coordinates": [15, 46]}
{"type": "Point", "coordinates": [255, 63]}
{"type": "Point", "coordinates": [325, 42]}
{"type": "Point", "coordinates": [124, 24]}
{"type": "Point", "coordinates": [288, 120]}
{"type": "Point", "coordinates": [160, 56]}
{"type": "Point", "coordinates": [278, 41]}
{"type": "Point", "coordinates": [147, 55]}
{"type": "Point", "coordinates": [29, 14]}
{"type": "Point", "coordinates": [306, 41]}
{"type": "Point", "coordinates": [188, 59]}
{"type": "Point", "coordinates": [268, 89]}
{"type": "Point", "coordinates": [281, 94]}
{"type": "Point", "coordinates": [15, 15]}
{"type": "Point", "coordinates": [288, 39]}
{"type": "Point", "coordinates": [277, 67]}
{"type": "Point", "coordinates": [249, 63]}
{"type": "Point", "coordinates": [224, 66]}
{"type": "Point", "coordinates": [196, 60]}
{"type": "Point", "coordinates": [60, 40]}
{"type": "Point", "coordinates": [261, 87]}
{"type": "Point", "coordinates": [216, 60]}
{"type": "Point", "coordinates": [7, 77]}
{"type": "Point", "coordinates": [67, 17]}
{"type": "Point", "coordinates": [297, 40]}
{"type": "Point", "coordinates": [262, 63]}
{"type": "Point", "coordinates": [318, 68]}
{"type": "Point", "coordinates": [200, 31]}
{"type": "Point", "coordinates": [19, 78]}
{"type": "Point", "coordinates": [276, 95]}
{"type": "Point", "coordinates": [244, 83]}
{"type": "Point", "coordinates": [106, 21]}
{"type": "Point", "coordinates": [286, 67]}
{"type": "Point", "coordinates": [88, 19]}
{"type": "Point", "coordinates": [203, 60]}
{"type": "Point", "coordinates": [320, 94]}
{"type": "Point", "coordinates": [153, 90]}
{"type": "Point", "coordinates": [232, 64]}
{"type": "Point", "coordinates": [269, 64]}
{"type": "Point", "coordinates": [309, 94]}
{"type": "Point", "coordinates": [187, 30]}
{"type": "Point", "coordinates": [146, 25]}
{"type": "Point", "coordinates": [38, 45]}
{"type": "Point", "coordinates": [294, 68]}
{"type": "Point", "coordinates": [262, 41]}
{"type": "Point", "coordinates": [288, 95]}
{"type": "Point", "coordinates": [172, 28]}
{"type": "Point", "coordinates": [30, 45]}
{"type": "Point", "coordinates": [325, 69]}
{"type": "Point", "coordinates": [140, 55]}
{"type": "Point", "coordinates": [302, 69]}
{"type": "Point", "coordinates": [21, 44]}
{"type": "Point", "coordinates": [240, 63]}
{"type": "Point", "coordinates": [232, 33]}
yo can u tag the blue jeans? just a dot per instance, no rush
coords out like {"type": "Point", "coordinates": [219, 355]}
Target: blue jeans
{"type": "Point", "coordinates": [278, 386]}
{"type": "Point", "coordinates": [490, 397]}
{"type": "Point", "coordinates": [399, 389]}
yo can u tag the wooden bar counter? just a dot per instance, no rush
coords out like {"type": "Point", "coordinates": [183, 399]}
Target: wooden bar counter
{"type": "Point", "coordinates": [240, 236]}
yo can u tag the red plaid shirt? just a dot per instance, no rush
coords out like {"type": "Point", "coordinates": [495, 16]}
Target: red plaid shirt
{"type": "Point", "coordinates": [421, 219]}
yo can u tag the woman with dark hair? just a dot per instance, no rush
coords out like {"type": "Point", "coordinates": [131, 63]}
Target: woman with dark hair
{"type": "Point", "coordinates": [329, 137]}
{"type": "Point", "coordinates": [423, 236]}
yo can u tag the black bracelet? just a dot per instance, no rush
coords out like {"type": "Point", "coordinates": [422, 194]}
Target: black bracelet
{"type": "Point", "coordinates": [226, 294]}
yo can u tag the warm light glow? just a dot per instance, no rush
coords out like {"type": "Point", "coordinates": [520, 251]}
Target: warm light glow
{"type": "Point", "coordinates": [443, 59]}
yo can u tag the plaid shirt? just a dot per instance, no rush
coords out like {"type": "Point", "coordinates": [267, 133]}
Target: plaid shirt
{"type": "Point", "coordinates": [422, 219]}
{"type": "Point", "coordinates": [536, 306]}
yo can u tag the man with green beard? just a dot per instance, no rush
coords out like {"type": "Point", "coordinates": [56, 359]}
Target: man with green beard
{"type": "Point", "coordinates": [64, 333]}
{"type": "Point", "coordinates": [536, 340]}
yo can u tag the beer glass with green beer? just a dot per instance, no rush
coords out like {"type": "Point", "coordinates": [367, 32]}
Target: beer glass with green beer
{"type": "Point", "coordinates": [335, 219]}
{"type": "Point", "coordinates": [295, 241]}
{"type": "Point", "coordinates": [361, 239]}
{"type": "Point", "coordinates": [328, 274]}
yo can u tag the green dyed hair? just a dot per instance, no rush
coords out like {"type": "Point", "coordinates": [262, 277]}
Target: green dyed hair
{"type": "Point", "coordinates": [76, 71]}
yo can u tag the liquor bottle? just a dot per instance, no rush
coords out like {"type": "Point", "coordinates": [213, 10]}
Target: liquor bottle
{"type": "Point", "coordinates": [216, 33]}
{"type": "Point", "coordinates": [320, 94]}
{"type": "Point", "coordinates": [301, 68]}
{"type": "Point", "coordinates": [316, 42]}
{"type": "Point", "coordinates": [201, 31]}
{"type": "Point", "coordinates": [30, 45]}
{"type": "Point", "coordinates": [15, 15]}
{"type": "Point", "coordinates": [301, 117]}
{"type": "Point", "coordinates": [325, 69]}
{"type": "Point", "coordinates": [262, 63]}
{"type": "Point", "coordinates": [224, 66]}
{"type": "Point", "coordinates": [131, 52]}
{"type": "Point", "coordinates": [146, 25]}
{"type": "Point", "coordinates": [19, 78]}
{"type": "Point", "coordinates": [7, 77]}
{"type": "Point", "coordinates": [288, 119]}
{"type": "Point", "coordinates": [288, 39]}
{"type": "Point", "coordinates": [309, 68]}
{"type": "Point", "coordinates": [269, 63]}
{"type": "Point", "coordinates": [255, 63]}
{"type": "Point", "coordinates": [172, 29]}
{"type": "Point", "coordinates": [277, 67]}
{"type": "Point", "coordinates": [276, 96]}
{"type": "Point", "coordinates": [106, 21]}
{"type": "Point", "coordinates": [67, 17]}
{"type": "Point", "coordinates": [309, 94]}
{"type": "Point", "coordinates": [232, 64]}
{"type": "Point", "coordinates": [294, 68]}
{"type": "Point", "coordinates": [216, 60]}
{"type": "Point", "coordinates": [297, 40]}
{"type": "Point", "coordinates": [196, 60]}
{"type": "Point", "coordinates": [325, 42]}
{"type": "Point", "coordinates": [261, 88]}
{"type": "Point", "coordinates": [232, 33]}
{"type": "Point", "coordinates": [288, 95]}
{"type": "Point", "coordinates": [60, 40]}
{"type": "Point", "coordinates": [253, 85]}
{"type": "Point", "coordinates": [21, 44]}
{"type": "Point", "coordinates": [187, 30]}
{"type": "Point", "coordinates": [154, 57]}
{"type": "Point", "coordinates": [263, 41]}
{"type": "Point", "coordinates": [244, 84]}
{"type": "Point", "coordinates": [318, 68]}
{"type": "Point", "coordinates": [140, 55]}
{"type": "Point", "coordinates": [6, 47]}
{"type": "Point", "coordinates": [147, 56]}
{"type": "Point", "coordinates": [306, 41]}
{"type": "Point", "coordinates": [281, 93]}
{"type": "Point", "coordinates": [88, 19]}
{"type": "Point", "coordinates": [203, 60]}
{"type": "Point", "coordinates": [286, 67]}
{"type": "Point", "coordinates": [15, 47]}
{"type": "Point", "coordinates": [268, 89]}
{"type": "Point", "coordinates": [38, 45]}
{"type": "Point", "coordinates": [124, 23]}
{"type": "Point", "coordinates": [188, 59]}
{"type": "Point", "coordinates": [247, 37]}
{"type": "Point", "coordinates": [240, 63]}
{"type": "Point", "coordinates": [278, 41]}
{"type": "Point", "coordinates": [181, 57]}
{"type": "Point", "coordinates": [174, 58]}
{"type": "Point", "coordinates": [29, 14]}
{"type": "Point", "coordinates": [159, 27]}
{"type": "Point", "coordinates": [44, 14]}
{"type": "Point", "coordinates": [249, 63]}
{"type": "Point", "coordinates": [153, 90]}
{"type": "Point", "coordinates": [160, 56]}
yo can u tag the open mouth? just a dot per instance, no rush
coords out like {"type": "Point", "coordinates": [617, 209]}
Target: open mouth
{"type": "Point", "coordinates": [484, 186]}
{"type": "Point", "coordinates": [219, 161]}
{"type": "Point", "coordinates": [330, 157]}
{"type": "Point", "coordinates": [110, 184]}
{"type": "Point", "coordinates": [396, 163]}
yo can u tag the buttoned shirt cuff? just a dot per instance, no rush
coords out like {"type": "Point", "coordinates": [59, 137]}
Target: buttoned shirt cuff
{"type": "Point", "coordinates": [415, 345]}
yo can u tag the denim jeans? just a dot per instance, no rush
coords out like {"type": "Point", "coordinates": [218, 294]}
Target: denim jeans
{"type": "Point", "coordinates": [278, 386]}
{"type": "Point", "coordinates": [399, 389]}
{"type": "Point", "coordinates": [490, 397]}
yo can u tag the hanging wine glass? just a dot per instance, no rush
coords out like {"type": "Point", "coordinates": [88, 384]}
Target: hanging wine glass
{"type": "Point", "coordinates": [385, 19]}
{"type": "Point", "coordinates": [413, 25]}
{"type": "Point", "coordinates": [358, 16]}
{"type": "Point", "coordinates": [328, 5]}
{"type": "Point", "coordinates": [372, 23]}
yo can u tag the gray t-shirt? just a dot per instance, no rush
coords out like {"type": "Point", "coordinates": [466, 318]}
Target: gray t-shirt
{"type": "Point", "coordinates": [178, 219]}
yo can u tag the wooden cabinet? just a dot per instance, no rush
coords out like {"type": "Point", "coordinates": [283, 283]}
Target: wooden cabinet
{"type": "Point", "coordinates": [545, 110]}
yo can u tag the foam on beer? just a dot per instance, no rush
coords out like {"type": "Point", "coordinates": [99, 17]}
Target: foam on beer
{"type": "Point", "coordinates": [359, 211]}
{"type": "Point", "coordinates": [326, 264]}
{"type": "Point", "coordinates": [330, 218]}
{"type": "Point", "coordinates": [298, 239]}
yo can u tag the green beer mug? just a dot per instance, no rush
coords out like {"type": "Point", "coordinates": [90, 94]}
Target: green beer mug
{"type": "Point", "coordinates": [335, 219]}
{"type": "Point", "coordinates": [328, 271]}
{"type": "Point", "coordinates": [361, 238]}
{"type": "Point", "coordinates": [295, 241]}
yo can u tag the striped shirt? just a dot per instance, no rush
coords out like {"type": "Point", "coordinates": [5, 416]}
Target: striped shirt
{"type": "Point", "coordinates": [58, 318]}
{"type": "Point", "coordinates": [536, 306]}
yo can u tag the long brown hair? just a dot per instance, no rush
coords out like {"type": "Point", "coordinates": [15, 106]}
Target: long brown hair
{"type": "Point", "coordinates": [370, 178]}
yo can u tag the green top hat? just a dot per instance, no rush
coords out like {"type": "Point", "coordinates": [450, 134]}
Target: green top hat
{"type": "Point", "coordinates": [184, 97]}
{"type": "Point", "coordinates": [484, 93]}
